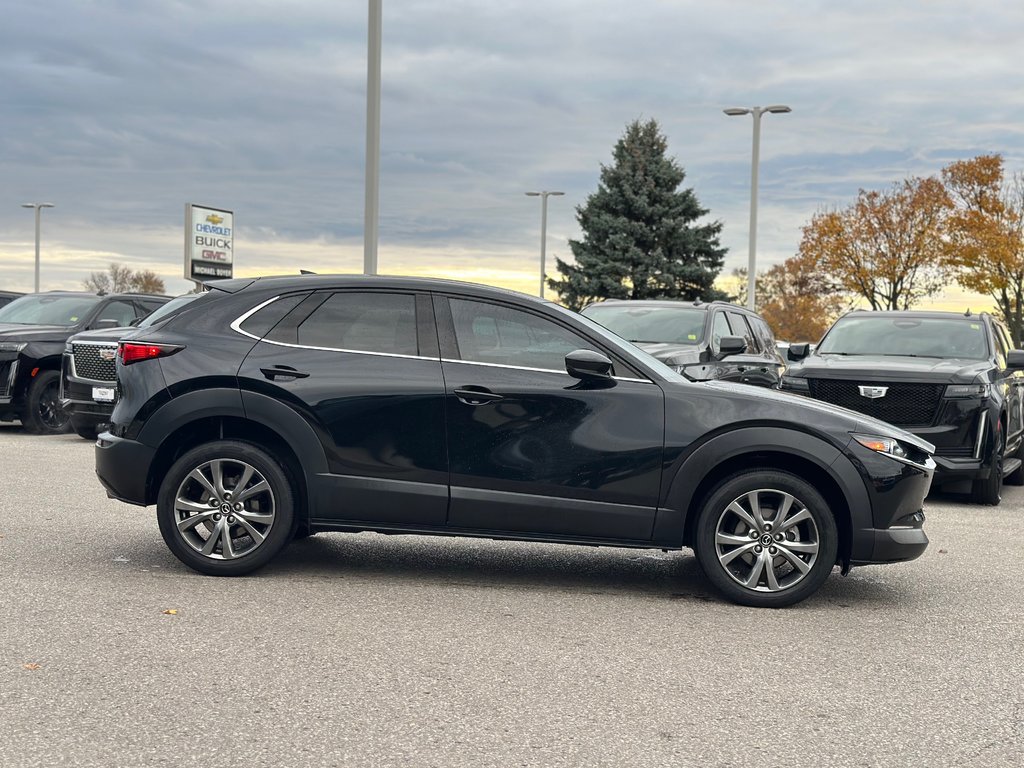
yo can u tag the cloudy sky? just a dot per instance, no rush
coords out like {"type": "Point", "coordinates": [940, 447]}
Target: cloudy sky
{"type": "Point", "coordinates": [121, 111]}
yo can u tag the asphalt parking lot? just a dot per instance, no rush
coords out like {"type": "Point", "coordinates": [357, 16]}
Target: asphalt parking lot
{"type": "Point", "coordinates": [367, 650]}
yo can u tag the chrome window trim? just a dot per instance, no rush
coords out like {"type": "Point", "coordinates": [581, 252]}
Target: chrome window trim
{"type": "Point", "coordinates": [235, 326]}
{"type": "Point", "coordinates": [536, 370]}
{"type": "Point", "coordinates": [339, 349]}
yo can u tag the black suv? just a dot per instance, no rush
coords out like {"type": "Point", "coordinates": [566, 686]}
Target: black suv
{"type": "Point", "coordinates": [952, 379]}
{"type": "Point", "coordinates": [702, 341]}
{"type": "Point", "coordinates": [33, 331]}
{"type": "Point", "coordinates": [88, 378]}
{"type": "Point", "coordinates": [278, 407]}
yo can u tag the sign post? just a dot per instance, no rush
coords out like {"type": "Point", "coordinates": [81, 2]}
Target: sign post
{"type": "Point", "coordinates": [209, 244]}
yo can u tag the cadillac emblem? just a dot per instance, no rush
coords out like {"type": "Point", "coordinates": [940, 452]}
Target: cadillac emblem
{"type": "Point", "coordinates": [873, 392]}
{"type": "Point", "coordinates": [108, 354]}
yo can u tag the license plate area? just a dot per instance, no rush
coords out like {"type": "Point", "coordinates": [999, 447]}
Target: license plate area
{"type": "Point", "coordinates": [103, 394]}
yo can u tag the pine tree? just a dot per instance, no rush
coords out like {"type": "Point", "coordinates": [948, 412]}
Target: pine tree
{"type": "Point", "coordinates": [640, 237]}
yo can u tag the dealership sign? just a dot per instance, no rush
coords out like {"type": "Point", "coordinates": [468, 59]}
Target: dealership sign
{"type": "Point", "coordinates": [209, 238]}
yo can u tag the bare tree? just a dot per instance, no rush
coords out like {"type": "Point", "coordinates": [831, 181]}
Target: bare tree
{"type": "Point", "coordinates": [121, 279]}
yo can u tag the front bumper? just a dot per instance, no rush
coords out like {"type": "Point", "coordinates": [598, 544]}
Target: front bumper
{"type": "Point", "coordinates": [895, 545]}
{"type": "Point", "coordinates": [122, 466]}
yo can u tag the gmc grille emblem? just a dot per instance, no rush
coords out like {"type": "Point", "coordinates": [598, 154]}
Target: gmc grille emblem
{"type": "Point", "coordinates": [108, 355]}
{"type": "Point", "coordinates": [873, 392]}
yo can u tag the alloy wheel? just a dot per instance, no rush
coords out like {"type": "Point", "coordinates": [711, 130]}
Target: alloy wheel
{"type": "Point", "coordinates": [767, 540]}
{"type": "Point", "coordinates": [224, 509]}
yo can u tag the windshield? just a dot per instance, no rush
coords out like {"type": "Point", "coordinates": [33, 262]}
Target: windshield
{"type": "Point", "coordinates": [941, 337]}
{"type": "Point", "coordinates": [43, 309]}
{"type": "Point", "coordinates": [172, 307]}
{"type": "Point", "coordinates": [651, 324]}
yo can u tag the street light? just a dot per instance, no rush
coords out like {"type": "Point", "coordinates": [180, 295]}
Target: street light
{"type": "Point", "coordinates": [543, 229]}
{"type": "Point", "coordinates": [38, 207]}
{"type": "Point", "coordinates": [756, 112]}
{"type": "Point", "coordinates": [371, 212]}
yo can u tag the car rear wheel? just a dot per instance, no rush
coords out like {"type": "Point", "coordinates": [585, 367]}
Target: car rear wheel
{"type": "Point", "coordinates": [44, 415]}
{"type": "Point", "coordinates": [766, 538]}
{"type": "Point", "coordinates": [226, 508]}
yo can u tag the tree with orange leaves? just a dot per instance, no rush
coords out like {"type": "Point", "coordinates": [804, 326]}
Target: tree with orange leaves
{"type": "Point", "coordinates": [887, 246]}
{"type": "Point", "coordinates": [985, 240]}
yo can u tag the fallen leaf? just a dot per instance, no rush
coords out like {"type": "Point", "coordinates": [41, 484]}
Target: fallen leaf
{"type": "Point", "coordinates": [942, 552]}
{"type": "Point", "coordinates": [32, 666]}
{"type": "Point", "coordinates": [170, 612]}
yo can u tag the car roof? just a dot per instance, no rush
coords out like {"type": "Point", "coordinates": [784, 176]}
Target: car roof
{"type": "Point", "coordinates": [697, 304]}
{"type": "Point", "coordinates": [83, 294]}
{"type": "Point", "coordinates": [933, 314]}
{"type": "Point", "coordinates": [299, 282]}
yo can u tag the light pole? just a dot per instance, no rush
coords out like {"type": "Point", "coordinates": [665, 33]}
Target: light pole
{"type": "Point", "coordinates": [756, 112]}
{"type": "Point", "coordinates": [371, 212]}
{"type": "Point", "coordinates": [38, 207]}
{"type": "Point", "coordinates": [543, 229]}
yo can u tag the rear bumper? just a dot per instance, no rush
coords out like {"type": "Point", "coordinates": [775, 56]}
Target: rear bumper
{"type": "Point", "coordinates": [122, 466]}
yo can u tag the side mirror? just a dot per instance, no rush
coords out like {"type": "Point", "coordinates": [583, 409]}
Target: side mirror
{"type": "Point", "coordinates": [105, 324]}
{"type": "Point", "coordinates": [798, 351]}
{"type": "Point", "coordinates": [731, 345]}
{"type": "Point", "coordinates": [1015, 359]}
{"type": "Point", "coordinates": [587, 364]}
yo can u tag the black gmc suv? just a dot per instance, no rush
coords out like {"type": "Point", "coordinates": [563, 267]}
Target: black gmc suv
{"type": "Point", "coordinates": [277, 407]}
{"type": "Point", "coordinates": [701, 340]}
{"type": "Point", "coordinates": [33, 331]}
{"type": "Point", "coordinates": [952, 379]}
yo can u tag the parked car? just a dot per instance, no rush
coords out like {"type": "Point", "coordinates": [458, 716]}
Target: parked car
{"type": "Point", "coordinates": [88, 380]}
{"type": "Point", "coordinates": [6, 297]}
{"type": "Point", "coordinates": [277, 407]}
{"type": "Point", "coordinates": [952, 379]}
{"type": "Point", "coordinates": [33, 331]}
{"type": "Point", "coordinates": [701, 340]}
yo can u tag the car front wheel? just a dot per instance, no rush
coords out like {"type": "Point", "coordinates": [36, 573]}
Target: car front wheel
{"type": "Point", "coordinates": [226, 508]}
{"type": "Point", "coordinates": [766, 538]}
{"type": "Point", "coordinates": [44, 415]}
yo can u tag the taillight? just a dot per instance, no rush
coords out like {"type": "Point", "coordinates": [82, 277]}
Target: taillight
{"type": "Point", "coordinates": [130, 352]}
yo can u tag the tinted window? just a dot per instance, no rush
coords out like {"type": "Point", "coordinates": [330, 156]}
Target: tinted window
{"type": "Point", "coordinates": [120, 311]}
{"type": "Point", "coordinates": [42, 309]}
{"type": "Point", "coordinates": [763, 334]}
{"type": "Point", "coordinates": [1002, 346]}
{"type": "Point", "coordinates": [906, 335]}
{"type": "Point", "coordinates": [647, 323]}
{"type": "Point", "coordinates": [150, 305]}
{"type": "Point", "coordinates": [263, 320]}
{"type": "Point", "coordinates": [366, 322]}
{"type": "Point", "coordinates": [489, 333]}
{"type": "Point", "coordinates": [742, 329]}
{"type": "Point", "coordinates": [719, 328]}
{"type": "Point", "coordinates": [171, 308]}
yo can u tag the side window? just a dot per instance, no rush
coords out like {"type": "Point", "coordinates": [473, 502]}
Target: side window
{"type": "Point", "coordinates": [741, 328]}
{"type": "Point", "coordinates": [121, 312]}
{"type": "Point", "coordinates": [719, 328]}
{"type": "Point", "coordinates": [262, 321]}
{"type": "Point", "coordinates": [364, 322]}
{"type": "Point", "coordinates": [148, 306]}
{"type": "Point", "coordinates": [763, 334]}
{"type": "Point", "coordinates": [1001, 346]}
{"type": "Point", "coordinates": [1007, 339]}
{"type": "Point", "coordinates": [489, 333]}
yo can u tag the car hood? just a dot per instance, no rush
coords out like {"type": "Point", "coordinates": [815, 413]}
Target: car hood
{"type": "Point", "coordinates": [679, 354]}
{"type": "Point", "coordinates": [112, 335]}
{"type": "Point", "coordinates": [808, 407]}
{"type": "Point", "coordinates": [888, 368]}
{"type": "Point", "coordinates": [29, 333]}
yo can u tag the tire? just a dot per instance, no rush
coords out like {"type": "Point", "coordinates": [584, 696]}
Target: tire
{"type": "Point", "coordinates": [989, 490]}
{"type": "Point", "coordinates": [743, 567]}
{"type": "Point", "coordinates": [86, 430]}
{"type": "Point", "coordinates": [234, 536]}
{"type": "Point", "coordinates": [44, 415]}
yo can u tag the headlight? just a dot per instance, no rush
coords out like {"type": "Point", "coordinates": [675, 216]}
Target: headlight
{"type": "Point", "coordinates": [12, 346]}
{"type": "Point", "coordinates": [887, 445]}
{"type": "Point", "coordinates": [968, 390]}
{"type": "Point", "coordinates": [795, 383]}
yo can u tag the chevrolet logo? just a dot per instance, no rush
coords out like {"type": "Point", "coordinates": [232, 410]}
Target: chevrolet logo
{"type": "Point", "coordinates": [873, 392]}
{"type": "Point", "coordinates": [213, 218]}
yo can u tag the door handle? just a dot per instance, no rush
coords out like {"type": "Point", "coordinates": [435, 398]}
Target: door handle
{"type": "Point", "coordinates": [283, 371]}
{"type": "Point", "coordinates": [477, 395]}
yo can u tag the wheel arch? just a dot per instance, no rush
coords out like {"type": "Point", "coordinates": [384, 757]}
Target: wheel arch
{"type": "Point", "coordinates": [812, 458]}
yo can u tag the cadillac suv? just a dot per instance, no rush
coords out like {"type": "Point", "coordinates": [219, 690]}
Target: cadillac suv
{"type": "Point", "coordinates": [952, 379]}
{"type": "Point", "coordinates": [279, 407]}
